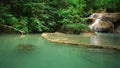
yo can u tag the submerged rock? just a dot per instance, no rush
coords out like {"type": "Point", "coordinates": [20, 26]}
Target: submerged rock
{"type": "Point", "coordinates": [26, 47]}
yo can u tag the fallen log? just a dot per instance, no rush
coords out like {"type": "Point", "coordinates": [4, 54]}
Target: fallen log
{"type": "Point", "coordinates": [11, 27]}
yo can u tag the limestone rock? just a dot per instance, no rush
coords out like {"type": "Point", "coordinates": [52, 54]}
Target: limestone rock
{"type": "Point", "coordinates": [104, 22]}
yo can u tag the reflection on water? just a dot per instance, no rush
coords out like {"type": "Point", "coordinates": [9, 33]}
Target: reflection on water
{"type": "Point", "coordinates": [52, 55]}
{"type": "Point", "coordinates": [106, 39]}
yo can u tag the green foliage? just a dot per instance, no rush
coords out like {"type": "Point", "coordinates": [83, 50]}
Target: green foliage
{"type": "Point", "coordinates": [51, 15]}
{"type": "Point", "coordinates": [111, 5]}
{"type": "Point", "coordinates": [105, 3]}
{"type": "Point", "coordinates": [9, 19]}
{"type": "Point", "coordinates": [35, 25]}
{"type": "Point", "coordinates": [74, 28]}
{"type": "Point", "coordinates": [22, 24]}
{"type": "Point", "coordinates": [72, 15]}
{"type": "Point", "coordinates": [43, 18]}
{"type": "Point", "coordinates": [99, 5]}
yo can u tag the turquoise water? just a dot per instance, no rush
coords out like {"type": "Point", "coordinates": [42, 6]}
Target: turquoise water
{"type": "Point", "coordinates": [52, 55]}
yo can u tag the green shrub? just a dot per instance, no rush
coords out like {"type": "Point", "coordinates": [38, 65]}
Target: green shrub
{"type": "Point", "coordinates": [74, 28]}
{"type": "Point", "coordinates": [72, 14]}
{"type": "Point", "coordinates": [9, 19]}
{"type": "Point", "coordinates": [35, 25]}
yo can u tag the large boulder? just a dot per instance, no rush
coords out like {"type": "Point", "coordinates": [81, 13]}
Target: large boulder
{"type": "Point", "coordinates": [104, 22]}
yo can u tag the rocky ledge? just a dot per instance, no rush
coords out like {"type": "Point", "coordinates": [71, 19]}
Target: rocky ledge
{"type": "Point", "coordinates": [74, 40]}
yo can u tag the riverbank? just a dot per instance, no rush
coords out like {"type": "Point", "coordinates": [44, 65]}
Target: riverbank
{"type": "Point", "coordinates": [78, 40]}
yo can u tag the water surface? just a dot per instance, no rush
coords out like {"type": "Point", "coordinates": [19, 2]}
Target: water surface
{"type": "Point", "coordinates": [53, 55]}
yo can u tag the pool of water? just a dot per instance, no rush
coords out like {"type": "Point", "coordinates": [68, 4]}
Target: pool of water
{"type": "Point", "coordinates": [52, 55]}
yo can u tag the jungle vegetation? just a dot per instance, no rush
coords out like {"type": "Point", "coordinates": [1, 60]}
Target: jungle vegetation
{"type": "Point", "coordinates": [37, 16]}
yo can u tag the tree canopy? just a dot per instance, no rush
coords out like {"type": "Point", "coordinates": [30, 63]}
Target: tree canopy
{"type": "Point", "coordinates": [51, 15]}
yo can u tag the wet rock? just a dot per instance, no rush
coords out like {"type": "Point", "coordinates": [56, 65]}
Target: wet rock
{"type": "Point", "coordinates": [104, 22]}
{"type": "Point", "coordinates": [117, 29]}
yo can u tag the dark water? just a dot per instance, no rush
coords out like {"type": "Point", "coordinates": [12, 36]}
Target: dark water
{"type": "Point", "coordinates": [52, 55]}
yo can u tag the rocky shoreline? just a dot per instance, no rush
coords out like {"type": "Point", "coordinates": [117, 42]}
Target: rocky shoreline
{"type": "Point", "coordinates": [54, 37]}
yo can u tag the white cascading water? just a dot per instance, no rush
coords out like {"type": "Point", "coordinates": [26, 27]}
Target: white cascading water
{"type": "Point", "coordinates": [96, 21]}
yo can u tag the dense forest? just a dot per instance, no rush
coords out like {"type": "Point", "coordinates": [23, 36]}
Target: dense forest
{"type": "Point", "coordinates": [37, 16]}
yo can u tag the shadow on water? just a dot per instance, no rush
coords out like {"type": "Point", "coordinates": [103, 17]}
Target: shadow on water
{"type": "Point", "coordinates": [53, 55]}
